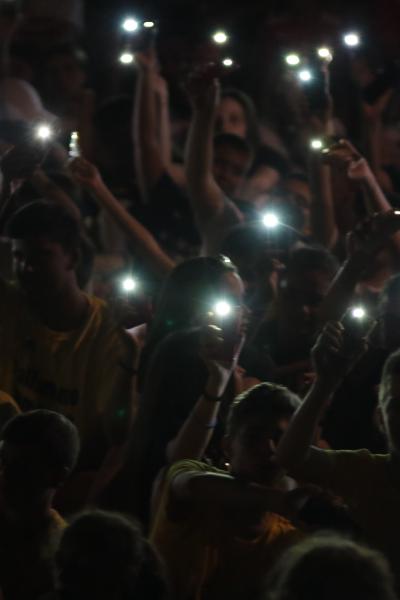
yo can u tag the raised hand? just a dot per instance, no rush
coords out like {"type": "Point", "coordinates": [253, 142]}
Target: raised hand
{"type": "Point", "coordinates": [203, 88]}
{"type": "Point", "coordinates": [85, 173]}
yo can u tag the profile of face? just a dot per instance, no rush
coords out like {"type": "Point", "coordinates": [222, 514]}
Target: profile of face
{"type": "Point", "coordinates": [229, 169]}
{"type": "Point", "coordinates": [42, 267]}
{"type": "Point", "coordinates": [390, 409]}
{"type": "Point", "coordinates": [231, 291]}
{"type": "Point", "coordinates": [252, 450]}
{"type": "Point", "coordinates": [231, 117]}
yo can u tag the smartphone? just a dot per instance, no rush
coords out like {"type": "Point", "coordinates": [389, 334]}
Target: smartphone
{"type": "Point", "coordinates": [358, 325]}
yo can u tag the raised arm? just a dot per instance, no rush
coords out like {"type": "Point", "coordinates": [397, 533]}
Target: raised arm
{"type": "Point", "coordinates": [87, 175]}
{"type": "Point", "coordinates": [196, 433]}
{"type": "Point", "coordinates": [295, 451]}
{"type": "Point", "coordinates": [206, 196]}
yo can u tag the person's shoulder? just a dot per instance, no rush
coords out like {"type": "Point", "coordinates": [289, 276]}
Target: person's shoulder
{"type": "Point", "coordinates": [104, 326]}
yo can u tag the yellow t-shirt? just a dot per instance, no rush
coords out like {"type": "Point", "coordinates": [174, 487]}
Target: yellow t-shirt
{"type": "Point", "coordinates": [83, 374]}
{"type": "Point", "coordinates": [204, 556]}
{"type": "Point", "coordinates": [370, 486]}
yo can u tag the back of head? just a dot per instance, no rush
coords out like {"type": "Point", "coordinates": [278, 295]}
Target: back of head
{"type": "Point", "coordinates": [104, 555]}
{"type": "Point", "coordinates": [45, 220]}
{"type": "Point", "coordinates": [269, 157]}
{"type": "Point", "coordinates": [265, 402]}
{"type": "Point", "coordinates": [330, 567]}
{"type": "Point", "coordinates": [52, 434]}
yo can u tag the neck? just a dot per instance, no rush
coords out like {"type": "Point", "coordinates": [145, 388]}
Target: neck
{"type": "Point", "coordinates": [64, 311]}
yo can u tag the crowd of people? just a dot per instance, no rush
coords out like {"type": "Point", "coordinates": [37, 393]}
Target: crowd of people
{"type": "Point", "coordinates": [199, 328]}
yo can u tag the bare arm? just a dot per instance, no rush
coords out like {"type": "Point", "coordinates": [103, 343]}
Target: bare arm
{"type": "Point", "coordinates": [146, 245]}
{"type": "Point", "coordinates": [323, 220]}
{"type": "Point", "coordinates": [196, 433]}
{"type": "Point", "coordinates": [206, 196]}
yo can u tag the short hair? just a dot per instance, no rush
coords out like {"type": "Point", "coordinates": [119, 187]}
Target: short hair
{"type": "Point", "coordinates": [104, 552]}
{"type": "Point", "coordinates": [269, 157]}
{"type": "Point", "coordinates": [266, 400]}
{"type": "Point", "coordinates": [311, 258]}
{"type": "Point", "coordinates": [52, 433]}
{"type": "Point", "coordinates": [234, 141]}
{"type": "Point", "coordinates": [329, 566]}
{"type": "Point", "coordinates": [45, 219]}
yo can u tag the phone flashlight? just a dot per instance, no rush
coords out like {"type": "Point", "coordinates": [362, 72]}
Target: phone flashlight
{"type": "Point", "coordinates": [128, 284]}
{"type": "Point", "coordinates": [358, 312]}
{"type": "Point", "coordinates": [305, 75]}
{"type": "Point", "coordinates": [220, 37]}
{"type": "Point", "coordinates": [325, 54]}
{"type": "Point", "coordinates": [74, 150]}
{"type": "Point", "coordinates": [44, 132]}
{"type": "Point", "coordinates": [221, 309]}
{"type": "Point", "coordinates": [351, 39]}
{"type": "Point", "coordinates": [127, 58]}
{"type": "Point", "coordinates": [228, 62]}
{"type": "Point", "coordinates": [292, 60]}
{"type": "Point", "coordinates": [130, 25]}
{"type": "Point", "coordinates": [270, 220]}
{"type": "Point", "coordinates": [149, 24]}
{"type": "Point", "coordinates": [317, 144]}
{"type": "Point", "coordinates": [358, 325]}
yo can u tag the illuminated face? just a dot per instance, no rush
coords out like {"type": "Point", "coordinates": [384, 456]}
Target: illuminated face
{"type": "Point", "coordinates": [252, 450]}
{"type": "Point", "coordinates": [231, 118]}
{"type": "Point", "coordinates": [229, 169]}
{"type": "Point", "coordinates": [41, 266]}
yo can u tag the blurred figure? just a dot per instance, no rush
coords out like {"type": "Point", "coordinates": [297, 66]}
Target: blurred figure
{"type": "Point", "coordinates": [38, 451]}
{"type": "Point", "coordinates": [331, 567]}
{"type": "Point", "coordinates": [103, 555]}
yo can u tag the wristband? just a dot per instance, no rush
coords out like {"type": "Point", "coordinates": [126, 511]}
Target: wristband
{"type": "Point", "coordinates": [211, 398]}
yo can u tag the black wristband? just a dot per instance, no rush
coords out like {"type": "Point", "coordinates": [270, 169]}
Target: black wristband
{"type": "Point", "coordinates": [211, 398]}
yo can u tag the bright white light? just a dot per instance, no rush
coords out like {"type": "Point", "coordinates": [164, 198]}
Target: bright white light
{"type": "Point", "coordinates": [74, 150]}
{"type": "Point", "coordinates": [130, 25]}
{"type": "Point", "coordinates": [128, 284]}
{"type": "Point", "coordinates": [358, 313]}
{"type": "Point", "coordinates": [351, 39]}
{"type": "Point", "coordinates": [227, 62]}
{"type": "Point", "coordinates": [305, 75]}
{"type": "Point", "coordinates": [127, 58]}
{"type": "Point", "coordinates": [222, 308]}
{"type": "Point", "coordinates": [293, 60]}
{"type": "Point", "coordinates": [270, 220]}
{"type": "Point", "coordinates": [316, 144]}
{"type": "Point", "coordinates": [220, 37]}
{"type": "Point", "coordinates": [148, 24]}
{"type": "Point", "coordinates": [325, 54]}
{"type": "Point", "coordinates": [44, 132]}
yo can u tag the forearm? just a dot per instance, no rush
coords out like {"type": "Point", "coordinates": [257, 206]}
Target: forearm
{"type": "Point", "coordinates": [52, 192]}
{"type": "Point", "coordinates": [206, 197]}
{"type": "Point", "coordinates": [227, 492]}
{"type": "Point", "coordinates": [145, 243]}
{"type": "Point", "coordinates": [148, 150]}
{"type": "Point", "coordinates": [342, 289]}
{"type": "Point", "coordinates": [297, 440]}
{"type": "Point", "coordinates": [323, 219]}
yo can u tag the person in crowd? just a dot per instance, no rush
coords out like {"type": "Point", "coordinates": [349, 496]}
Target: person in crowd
{"type": "Point", "coordinates": [280, 348]}
{"type": "Point", "coordinates": [61, 349]}
{"type": "Point", "coordinates": [330, 567]}
{"type": "Point", "coordinates": [104, 555]}
{"type": "Point", "coordinates": [219, 531]}
{"type": "Point", "coordinates": [173, 374]}
{"type": "Point", "coordinates": [39, 450]}
{"type": "Point", "coordinates": [367, 482]}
